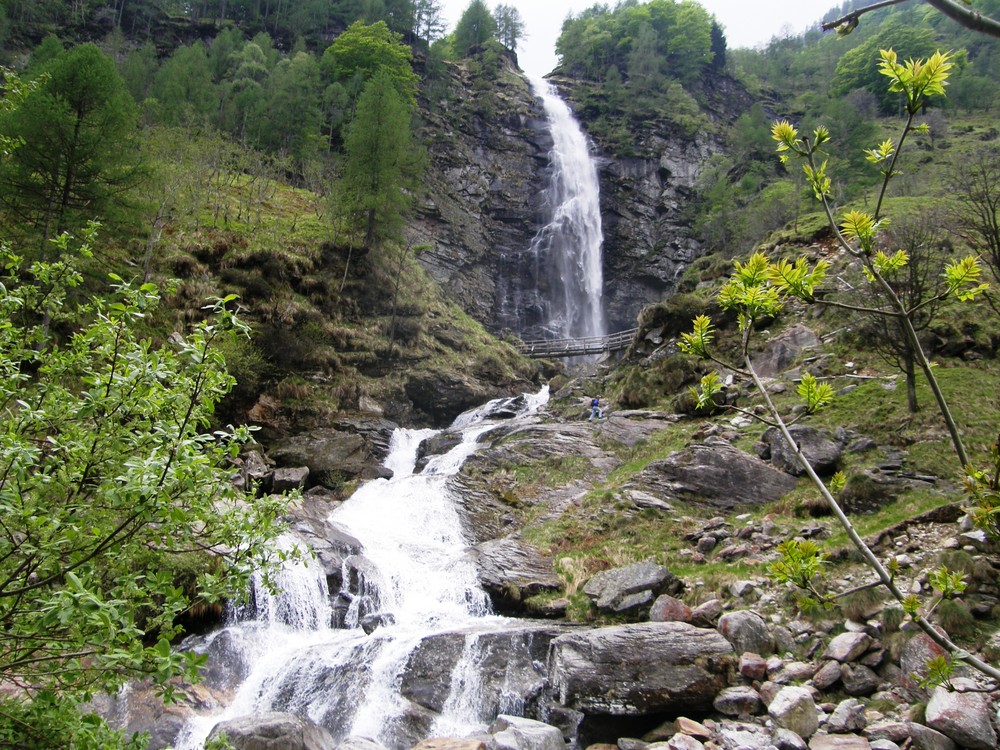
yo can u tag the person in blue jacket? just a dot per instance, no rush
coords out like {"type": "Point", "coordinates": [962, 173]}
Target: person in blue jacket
{"type": "Point", "coordinates": [595, 409]}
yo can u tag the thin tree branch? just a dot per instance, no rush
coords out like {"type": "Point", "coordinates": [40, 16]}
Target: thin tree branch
{"type": "Point", "coordinates": [852, 18]}
{"type": "Point", "coordinates": [967, 17]}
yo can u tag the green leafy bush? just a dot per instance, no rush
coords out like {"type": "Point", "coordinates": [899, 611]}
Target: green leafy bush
{"type": "Point", "coordinates": [107, 476]}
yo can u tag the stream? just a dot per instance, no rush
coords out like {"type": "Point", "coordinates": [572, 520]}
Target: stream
{"type": "Point", "coordinates": [418, 581]}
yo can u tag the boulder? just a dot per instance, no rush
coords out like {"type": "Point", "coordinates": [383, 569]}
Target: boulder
{"type": "Point", "coordinates": [793, 708]}
{"type": "Point", "coordinates": [925, 738]}
{"type": "Point", "coordinates": [916, 652]}
{"type": "Point", "coordinates": [737, 701]}
{"type": "Point", "coordinates": [782, 350]}
{"type": "Point", "coordinates": [687, 726]}
{"type": "Point", "coordinates": [635, 670]}
{"type": "Point", "coordinates": [274, 731]}
{"type": "Point", "coordinates": [630, 587]}
{"type": "Point", "coordinates": [668, 609]}
{"type": "Point", "coordinates": [744, 737]}
{"type": "Point", "coordinates": [962, 716]}
{"type": "Point", "coordinates": [793, 671]}
{"type": "Point", "coordinates": [289, 478]}
{"type": "Point", "coordinates": [847, 717]}
{"type": "Point", "coordinates": [683, 742]}
{"type": "Point", "coordinates": [747, 631]}
{"type": "Point", "coordinates": [516, 733]}
{"type": "Point", "coordinates": [847, 646]}
{"type": "Point", "coordinates": [436, 445]}
{"type": "Point", "coordinates": [335, 455]}
{"type": "Point", "coordinates": [753, 666]}
{"type": "Point", "coordinates": [785, 739]}
{"type": "Point", "coordinates": [858, 679]}
{"type": "Point", "coordinates": [822, 453]}
{"type": "Point", "coordinates": [827, 675]}
{"type": "Point", "coordinates": [707, 613]}
{"type": "Point", "coordinates": [511, 571]}
{"type": "Point", "coordinates": [714, 474]}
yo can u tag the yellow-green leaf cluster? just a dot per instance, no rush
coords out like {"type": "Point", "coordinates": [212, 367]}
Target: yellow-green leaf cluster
{"type": "Point", "coordinates": [697, 341]}
{"type": "Point", "coordinates": [797, 279]}
{"type": "Point", "coordinates": [916, 79]}
{"type": "Point", "coordinates": [814, 394]}
{"type": "Point", "coordinates": [962, 279]}
{"type": "Point", "coordinates": [799, 562]}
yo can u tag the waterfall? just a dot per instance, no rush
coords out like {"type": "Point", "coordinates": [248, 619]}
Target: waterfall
{"type": "Point", "coordinates": [420, 581]}
{"type": "Point", "coordinates": [565, 254]}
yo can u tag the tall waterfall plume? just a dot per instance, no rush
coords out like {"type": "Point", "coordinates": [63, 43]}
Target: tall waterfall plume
{"type": "Point", "coordinates": [567, 301]}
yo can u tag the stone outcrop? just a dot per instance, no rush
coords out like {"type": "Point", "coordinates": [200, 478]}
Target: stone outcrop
{"type": "Point", "coordinates": [483, 198]}
{"type": "Point", "coordinates": [272, 731]}
{"type": "Point", "coordinates": [511, 571]}
{"type": "Point", "coordinates": [632, 670]}
{"type": "Point", "coordinates": [488, 157]}
{"type": "Point", "coordinates": [715, 474]}
{"type": "Point", "coordinates": [648, 241]}
{"type": "Point", "coordinates": [630, 588]}
{"type": "Point", "coordinates": [822, 453]}
{"type": "Point", "coordinates": [441, 396]}
{"type": "Point", "coordinates": [348, 449]}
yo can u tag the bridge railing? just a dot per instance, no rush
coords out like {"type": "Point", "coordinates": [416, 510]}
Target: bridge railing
{"type": "Point", "coordinates": [577, 346]}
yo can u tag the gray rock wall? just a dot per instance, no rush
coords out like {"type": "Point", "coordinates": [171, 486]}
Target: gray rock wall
{"type": "Point", "coordinates": [487, 168]}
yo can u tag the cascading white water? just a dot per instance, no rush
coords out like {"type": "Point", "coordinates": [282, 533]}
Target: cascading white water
{"type": "Point", "coordinates": [421, 581]}
{"type": "Point", "coordinates": [567, 250]}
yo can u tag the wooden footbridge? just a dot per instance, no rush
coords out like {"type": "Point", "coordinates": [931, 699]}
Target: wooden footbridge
{"type": "Point", "coordinates": [550, 348]}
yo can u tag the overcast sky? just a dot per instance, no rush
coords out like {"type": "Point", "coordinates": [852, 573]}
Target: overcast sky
{"type": "Point", "coordinates": [747, 24]}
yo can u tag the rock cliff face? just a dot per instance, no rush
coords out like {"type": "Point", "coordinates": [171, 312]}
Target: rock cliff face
{"type": "Point", "coordinates": [488, 165]}
{"type": "Point", "coordinates": [646, 200]}
{"type": "Point", "coordinates": [487, 148]}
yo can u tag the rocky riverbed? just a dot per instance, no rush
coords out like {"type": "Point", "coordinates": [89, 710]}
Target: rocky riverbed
{"type": "Point", "coordinates": [677, 663]}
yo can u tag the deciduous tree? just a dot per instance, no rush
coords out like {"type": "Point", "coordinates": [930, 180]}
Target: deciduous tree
{"type": "Point", "coordinates": [109, 488]}
{"type": "Point", "coordinates": [975, 185]}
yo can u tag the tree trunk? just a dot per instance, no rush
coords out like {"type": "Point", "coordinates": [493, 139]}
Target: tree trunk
{"type": "Point", "coordinates": [911, 383]}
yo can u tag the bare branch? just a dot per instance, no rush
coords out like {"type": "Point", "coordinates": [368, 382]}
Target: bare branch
{"type": "Point", "coordinates": [967, 17]}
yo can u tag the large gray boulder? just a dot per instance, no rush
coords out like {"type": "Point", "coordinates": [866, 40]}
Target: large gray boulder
{"type": "Point", "coordinates": [962, 716]}
{"type": "Point", "coordinates": [794, 708]}
{"type": "Point", "coordinates": [630, 588]}
{"type": "Point", "coordinates": [442, 396]}
{"type": "Point", "coordinates": [635, 670]}
{"type": "Point", "coordinates": [511, 571]}
{"type": "Point", "coordinates": [516, 733]}
{"type": "Point", "coordinates": [511, 664]}
{"type": "Point", "coordinates": [747, 631]}
{"type": "Point", "coordinates": [925, 738]}
{"type": "Point", "coordinates": [714, 474]}
{"type": "Point", "coordinates": [784, 349]}
{"type": "Point", "coordinates": [822, 453]}
{"type": "Point", "coordinates": [274, 731]}
{"type": "Point", "coordinates": [334, 455]}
